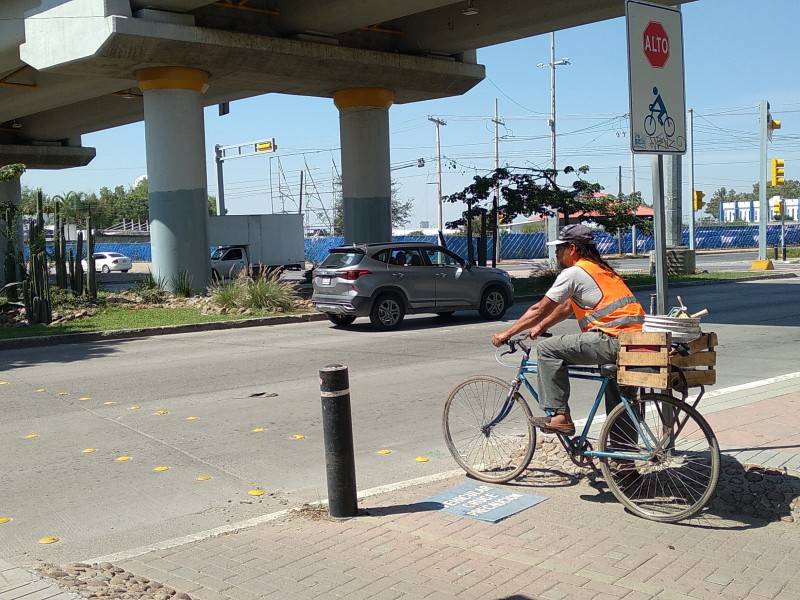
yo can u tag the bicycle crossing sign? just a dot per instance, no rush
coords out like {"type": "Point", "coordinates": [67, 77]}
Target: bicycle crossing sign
{"type": "Point", "coordinates": [655, 78]}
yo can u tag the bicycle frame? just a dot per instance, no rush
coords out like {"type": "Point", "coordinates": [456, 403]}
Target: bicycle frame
{"type": "Point", "coordinates": [573, 446]}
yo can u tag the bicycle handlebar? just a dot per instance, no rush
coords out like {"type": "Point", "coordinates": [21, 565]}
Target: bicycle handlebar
{"type": "Point", "coordinates": [519, 342]}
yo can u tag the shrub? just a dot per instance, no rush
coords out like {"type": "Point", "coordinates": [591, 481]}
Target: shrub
{"type": "Point", "coordinates": [265, 292]}
{"type": "Point", "coordinates": [182, 284]}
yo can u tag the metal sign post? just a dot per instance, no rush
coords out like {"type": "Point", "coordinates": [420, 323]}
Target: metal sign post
{"type": "Point", "coordinates": [223, 153]}
{"type": "Point", "coordinates": [657, 105]}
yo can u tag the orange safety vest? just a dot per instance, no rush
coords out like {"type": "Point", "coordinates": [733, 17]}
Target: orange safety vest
{"type": "Point", "coordinates": [618, 309]}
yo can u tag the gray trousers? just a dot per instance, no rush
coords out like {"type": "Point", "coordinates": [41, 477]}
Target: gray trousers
{"type": "Point", "coordinates": [555, 354]}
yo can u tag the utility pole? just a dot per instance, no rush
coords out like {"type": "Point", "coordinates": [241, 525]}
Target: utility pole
{"type": "Point", "coordinates": [552, 223]}
{"type": "Point", "coordinates": [496, 121]}
{"type": "Point", "coordinates": [439, 225]}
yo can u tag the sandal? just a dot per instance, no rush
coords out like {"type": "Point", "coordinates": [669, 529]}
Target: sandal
{"type": "Point", "coordinates": [544, 424]}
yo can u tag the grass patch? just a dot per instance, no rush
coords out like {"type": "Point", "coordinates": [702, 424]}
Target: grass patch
{"type": "Point", "coordinates": [113, 318]}
{"type": "Point", "coordinates": [535, 285]}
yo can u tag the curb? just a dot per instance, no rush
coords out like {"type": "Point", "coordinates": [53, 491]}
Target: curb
{"type": "Point", "coordinates": [102, 336]}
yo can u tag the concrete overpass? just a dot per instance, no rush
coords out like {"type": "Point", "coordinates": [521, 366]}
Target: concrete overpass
{"type": "Point", "coordinates": [69, 67]}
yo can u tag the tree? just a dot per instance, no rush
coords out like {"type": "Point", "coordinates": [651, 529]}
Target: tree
{"type": "Point", "coordinates": [528, 193]}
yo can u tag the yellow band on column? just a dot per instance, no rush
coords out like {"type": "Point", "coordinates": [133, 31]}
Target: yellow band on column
{"type": "Point", "coordinates": [377, 97]}
{"type": "Point", "coordinates": [172, 78]}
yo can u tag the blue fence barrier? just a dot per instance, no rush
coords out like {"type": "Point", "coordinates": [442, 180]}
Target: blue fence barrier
{"type": "Point", "coordinates": [527, 245]}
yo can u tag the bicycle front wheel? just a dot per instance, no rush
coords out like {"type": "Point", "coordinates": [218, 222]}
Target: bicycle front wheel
{"type": "Point", "coordinates": [489, 431]}
{"type": "Point", "coordinates": [681, 474]}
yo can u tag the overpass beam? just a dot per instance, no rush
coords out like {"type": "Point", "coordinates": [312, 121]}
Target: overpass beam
{"type": "Point", "coordinates": [176, 173]}
{"type": "Point", "coordinates": [366, 181]}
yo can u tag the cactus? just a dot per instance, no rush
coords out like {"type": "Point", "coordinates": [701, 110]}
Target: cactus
{"type": "Point", "coordinates": [59, 247]}
{"type": "Point", "coordinates": [91, 275]}
{"type": "Point", "coordinates": [36, 287]}
{"type": "Point", "coordinates": [77, 284]}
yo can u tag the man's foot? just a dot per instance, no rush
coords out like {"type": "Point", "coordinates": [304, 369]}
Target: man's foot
{"type": "Point", "coordinates": [556, 424]}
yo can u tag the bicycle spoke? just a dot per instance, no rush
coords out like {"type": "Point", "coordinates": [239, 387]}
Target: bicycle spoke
{"type": "Point", "coordinates": [680, 477]}
{"type": "Point", "coordinates": [487, 446]}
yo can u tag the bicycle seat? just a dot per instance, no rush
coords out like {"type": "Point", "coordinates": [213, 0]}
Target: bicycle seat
{"type": "Point", "coordinates": [609, 370]}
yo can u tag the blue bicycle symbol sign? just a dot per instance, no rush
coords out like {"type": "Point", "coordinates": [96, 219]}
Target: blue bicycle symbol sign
{"type": "Point", "coordinates": [658, 114]}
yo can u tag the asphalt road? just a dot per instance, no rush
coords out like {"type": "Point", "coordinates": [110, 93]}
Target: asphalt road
{"type": "Point", "coordinates": [235, 381]}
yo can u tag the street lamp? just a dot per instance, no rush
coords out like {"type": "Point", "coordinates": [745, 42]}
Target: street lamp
{"type": "Point", "coordinates": [552, 224]}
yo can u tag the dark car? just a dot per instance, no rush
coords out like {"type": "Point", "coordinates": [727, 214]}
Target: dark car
{"type": "Point", "coordinates": [389, 280]}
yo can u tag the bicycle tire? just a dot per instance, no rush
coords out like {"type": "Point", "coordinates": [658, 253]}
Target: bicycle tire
{"type": "Point", "coordinates": [652, 128]}
{"type": "Point", "coordinates": [669, 126]}
{"type": "Point", "coordinates": [496, 454]}
{"type": "Point", "coordinates": [677, 483]}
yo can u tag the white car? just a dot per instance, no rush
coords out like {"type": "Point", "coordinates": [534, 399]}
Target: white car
{"type": "Point", "coordinates": [109, 261]}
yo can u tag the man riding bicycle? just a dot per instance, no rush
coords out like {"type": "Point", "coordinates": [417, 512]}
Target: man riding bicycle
{"type": "Point", "coordinates": [589, 288]}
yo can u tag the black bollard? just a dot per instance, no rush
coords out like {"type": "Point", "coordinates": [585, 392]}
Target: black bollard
{"type": "Point", "coordinates": [337, 428]}
{"type": "Point", "coordinates": [776, 253]}
{"type": "Point", "coordinates": [653, 309]}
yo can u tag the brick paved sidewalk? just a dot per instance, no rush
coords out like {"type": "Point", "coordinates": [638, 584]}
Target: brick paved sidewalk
{"type": "Point", "coordinates": [580, 543]}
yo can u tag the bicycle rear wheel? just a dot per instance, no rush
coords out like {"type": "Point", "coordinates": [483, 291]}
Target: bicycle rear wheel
{"type": "Point", "coordinates": [489, 433]}
{"type": "Point", "coordinates": [682, 473]}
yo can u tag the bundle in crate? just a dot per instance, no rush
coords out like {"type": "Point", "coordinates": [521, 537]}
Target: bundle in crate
{"type": "Point", "coordinates": [647, 359]}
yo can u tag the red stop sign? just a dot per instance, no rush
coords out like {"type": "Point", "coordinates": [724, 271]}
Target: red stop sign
{"type": "Point", "coordinates": [655, 43]}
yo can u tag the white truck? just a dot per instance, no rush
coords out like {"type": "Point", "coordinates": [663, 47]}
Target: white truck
{"type": "Point", "coordinates": [253, 242]}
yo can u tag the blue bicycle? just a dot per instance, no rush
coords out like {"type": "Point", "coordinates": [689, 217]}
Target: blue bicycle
{"type": "Point", "coordinates": [657, 454]}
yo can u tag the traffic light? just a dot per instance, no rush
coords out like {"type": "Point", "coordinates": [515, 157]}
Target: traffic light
{"type": "Point", "coordinates": [772, 124]}
{"type": "Point", "coordinates": [777, 208]}
{"type": "Point", "coordinates": [698, 200]}
{"type": "Point", "coordinates": [777, 171]}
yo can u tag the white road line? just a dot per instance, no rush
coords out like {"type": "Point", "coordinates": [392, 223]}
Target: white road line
{"type": "Point", "coordinates": [233, 527]}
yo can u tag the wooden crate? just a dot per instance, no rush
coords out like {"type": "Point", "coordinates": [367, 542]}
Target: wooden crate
{"type": "Point", "coordinates": [646, 358]}
{"type": "Point", "coordinates": [698, 366]}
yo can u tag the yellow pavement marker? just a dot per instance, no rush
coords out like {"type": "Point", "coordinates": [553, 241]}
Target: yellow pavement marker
{"type": "Point", "coordinates": [40, 390]}
{"type": "Point", "coordinates": [4, 520]}
{"type": "Point", "coordinates": [202, 477]}
{"type": "Point", "coordinates": [86, 398]}
{"type": "Point", "coordinates": [63, 393]}
{"type": "Point", "coordinates": [134, 407]}
{"type": "Point", "coordinates": [89, 450]}
{"type": "Point", "coordinates": [161, 468]}
{"type": "Point", "coordinates": [298, 436]}
{"type": "Point", "coordinates": [48, 540]}
{"type": "Point", "coordinates": [384, 451]}
{"type": "Point", "coordinates": [256, 492]}
{"type": "Point", "coordinates": [422, 459]}
{"type": "Point", "coordinates": [160, 413]}
{"type": "Point", "coordinates": [122, 458]}
{"type": "Point", "coordinates": [192, 418]}
{"type": "Point", "coordinates": [259, 430]}
{"type": "Point", "coordinates": [31, 436]}
{"type": "Point", "coordinates": [109, 403]}
{"type": "Point", "coordinates": [3, 383]}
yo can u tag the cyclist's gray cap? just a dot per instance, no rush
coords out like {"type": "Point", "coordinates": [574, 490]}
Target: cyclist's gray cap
{"type": "Point", "coordinates": [573, 234]}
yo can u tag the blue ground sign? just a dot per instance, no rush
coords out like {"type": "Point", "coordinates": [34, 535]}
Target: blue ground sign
{"type": "Point", "coordinates": [484, 502]}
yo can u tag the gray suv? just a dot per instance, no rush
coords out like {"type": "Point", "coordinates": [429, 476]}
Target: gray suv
{"type": "Point", "coordinates": [386, 281]}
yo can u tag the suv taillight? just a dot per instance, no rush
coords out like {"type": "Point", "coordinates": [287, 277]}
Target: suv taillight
{"type": "Point", "coordinates": [352, 275]}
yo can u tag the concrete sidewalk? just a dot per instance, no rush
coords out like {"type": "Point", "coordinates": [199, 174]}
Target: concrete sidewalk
{"type": "Point", "coordinates": [579, 543]}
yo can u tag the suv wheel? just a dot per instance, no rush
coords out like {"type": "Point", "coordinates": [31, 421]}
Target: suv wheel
{"type": "Point", "coordinates": [387, 311]}
{"type": "Point", "coordinates": [493, 304]}
{"type": "Point", "coordinates": [341, 320]}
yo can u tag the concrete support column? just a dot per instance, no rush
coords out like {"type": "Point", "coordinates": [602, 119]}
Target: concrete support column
{"type": "Point", "coordinates": [366, 180]}
{"type": "Point", "coordinates": [10, 191]}
{"type": "Point", "coordinates": [176, 173]}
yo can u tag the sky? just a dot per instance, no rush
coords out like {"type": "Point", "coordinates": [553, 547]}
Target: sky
{"type": "Point", "coordinates": [736, 53]}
